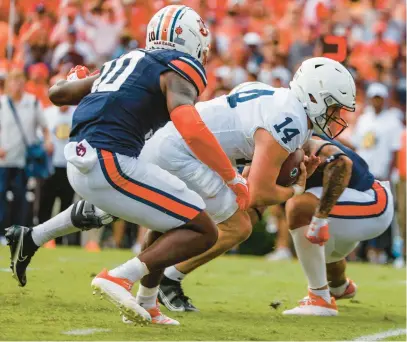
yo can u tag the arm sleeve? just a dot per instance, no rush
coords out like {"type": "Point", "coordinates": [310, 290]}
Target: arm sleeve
{"type": "Point", "coordinates": [201, 141]}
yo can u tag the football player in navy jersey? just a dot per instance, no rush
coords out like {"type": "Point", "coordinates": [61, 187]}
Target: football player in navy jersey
{"type": "Point", "coordinates": [342, 205]}
{"type": "Point", "coordinates": [125, 103]}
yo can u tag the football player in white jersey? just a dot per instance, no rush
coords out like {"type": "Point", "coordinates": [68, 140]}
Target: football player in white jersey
{"type": "Point", "coordinates": [259, 124]}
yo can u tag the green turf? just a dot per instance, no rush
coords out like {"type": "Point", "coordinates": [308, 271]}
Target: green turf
{"type": "Point", "coordinates": [233, 294]}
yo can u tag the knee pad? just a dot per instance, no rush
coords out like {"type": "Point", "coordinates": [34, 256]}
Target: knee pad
{"type": "Point", "coordinates": [86, 216]}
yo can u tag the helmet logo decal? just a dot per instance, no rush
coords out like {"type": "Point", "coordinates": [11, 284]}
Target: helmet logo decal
{"type": "Point", "coordinates": [177, 39]}
{"type": "Point", "coordinates": [202, 28]}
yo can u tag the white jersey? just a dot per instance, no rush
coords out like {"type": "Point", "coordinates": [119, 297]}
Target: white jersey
{"type": "Point", "coordinates": [234, 119]}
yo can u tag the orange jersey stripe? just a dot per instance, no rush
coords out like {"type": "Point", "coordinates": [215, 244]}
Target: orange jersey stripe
{"type": "Point", "coordinates": [144, 193]}
{"type": "Point", "coordinates": [364, 210]}
{"type": "Point", "coordinates": [167, 19]}
{"type": "Point", "coordinates": [192, 73]}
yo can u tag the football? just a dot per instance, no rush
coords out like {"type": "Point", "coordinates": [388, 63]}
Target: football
{"type": "Point", "coordinates": [290, 170]}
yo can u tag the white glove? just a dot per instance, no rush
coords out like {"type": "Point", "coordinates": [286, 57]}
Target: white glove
{"type": "Point", "coordinates": [241, 189]}
{"type": "Point", "coordinates": [318, 231]}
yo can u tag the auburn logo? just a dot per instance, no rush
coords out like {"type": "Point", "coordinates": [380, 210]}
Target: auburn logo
{"type": "Point", "coordinates": [80, 150]}
{"type": "Point", "coordinates": [202, 28]}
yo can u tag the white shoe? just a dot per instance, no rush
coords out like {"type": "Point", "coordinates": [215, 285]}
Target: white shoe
{"type": "Point", "coordinates": [282, 253]}
{"type": "Point", "coordinates": [157, 317]}
{"type": "Point", "coordinates": [117, 291]}
{"type": "Point", "coordinates": [314, 305]}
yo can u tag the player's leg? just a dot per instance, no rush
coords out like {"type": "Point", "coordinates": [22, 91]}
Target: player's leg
{"type": "Point", "coordinates": [282, 250]}
{"type": "Point", "coordinates": [340, 286]}
{"type": "Point", "coordinates": [143, 193]}
{"type": "Point", "coordinates": [234, 227]}
{"type": "Point", "coordinates": [148, 289]}
{"type": "Point", "coordinates": [370, 211]}
{"type": "Point", "coordinates": [300, 210]}
{"type": "Point", "coordinates": [24, 241]}
{"type": "Point", "coordinates": [336, 273]}
{"type": "Point", "coordinates": [233, 231]}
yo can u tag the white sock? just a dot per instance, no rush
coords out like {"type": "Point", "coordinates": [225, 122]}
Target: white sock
{"type": "Point", "coordinates": [338, 291]}
{"type": "Point", "coordinates": [312, 259]}
{"type": "Point", "coordinates": [59, 225]}
{"type": "Point", "coordinates": [323, 294]}
{"type": "Point", "coordinates": [147, 297]}
{"type": "Point", "coordinates": [172, 273]}
{"type": "Point", "coordinates": [132, 270]}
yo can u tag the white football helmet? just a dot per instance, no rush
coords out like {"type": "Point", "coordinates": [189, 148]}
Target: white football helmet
{"type": "Point", "coordinates": [320, 83]}
{"type": "Point", "coordinates": [178, 28]}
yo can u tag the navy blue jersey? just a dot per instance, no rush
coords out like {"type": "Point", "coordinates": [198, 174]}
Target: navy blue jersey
{"type": "Point", "coordinates": [126, 105]}
{"type": "Point", "coordinates": [361, 178]}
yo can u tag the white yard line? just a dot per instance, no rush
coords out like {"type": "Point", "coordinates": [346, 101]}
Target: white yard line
{"type": "Point", "coordinates": [86, 331]}
{"type": "Point", "coordinates": [382, 335]}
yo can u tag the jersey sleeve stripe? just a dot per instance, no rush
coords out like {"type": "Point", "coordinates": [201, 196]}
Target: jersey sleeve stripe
{"type": "Point", "coordinates": [357, 210]}
{"type": "Point", "coordinates": [193, 75]}
{"type": "Point", "coordinates": [167, 20]}
{"type": "Point", "coordinates": [174, 22]}
{"type": "Point", "coordinates": [144, 193]}
{"type": "Point", "coordinates": [198, 68]}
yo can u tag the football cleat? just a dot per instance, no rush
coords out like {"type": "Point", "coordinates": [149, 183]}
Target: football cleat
{"type": "Point", "coordinates": [171, 295]}
{"type": "Point", "coordinates": [314, 305]}
{"type": "Point", "coordinates": [22, 248]}
{"type": "Point", "coordinates": [350, 291]}
{"type": "Point", "coordinates": [117, 291]}
{"type": "Point", "coordinates": [157, 317]}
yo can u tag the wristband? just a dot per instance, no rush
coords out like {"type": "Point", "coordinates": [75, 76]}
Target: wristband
{"type": "Point", "coordinates": [319, 221]}
{"type": "Point", "coordinates": [298, 189]}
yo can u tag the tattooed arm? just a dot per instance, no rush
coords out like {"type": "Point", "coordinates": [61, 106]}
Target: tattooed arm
{"type": "Point", "coordinates": [337, 174]}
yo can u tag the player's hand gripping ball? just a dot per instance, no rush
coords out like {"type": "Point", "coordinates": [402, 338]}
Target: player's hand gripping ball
{"type": "Point", "coordinates": [290, 170]}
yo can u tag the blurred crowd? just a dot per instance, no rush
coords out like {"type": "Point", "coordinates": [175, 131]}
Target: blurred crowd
{"type": "Point", "coordinates": [263, 40]}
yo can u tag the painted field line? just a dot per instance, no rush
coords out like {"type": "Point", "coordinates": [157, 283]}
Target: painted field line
{"type": "Point", "coordinates": [382, 335]}
{"type": "Point", "coordinates": [86, 331]}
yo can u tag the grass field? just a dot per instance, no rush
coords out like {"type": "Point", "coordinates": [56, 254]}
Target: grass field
{"type": "Point", "coordinates": [233, 294]}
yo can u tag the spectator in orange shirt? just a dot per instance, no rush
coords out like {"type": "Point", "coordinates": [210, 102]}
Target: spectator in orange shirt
{"type": "Point", "coordinates": [381, 49]}
{"type": "Point", "coordinates": [231, 28]}
{"type": "Point", "coordinates": [70, 17]}
{"type": "Point", "coordinates": [38, 23]}
{"type": "Point", "coordinates": [259, 17]}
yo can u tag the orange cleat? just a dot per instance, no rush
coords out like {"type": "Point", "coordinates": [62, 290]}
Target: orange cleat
{"type": "Point", "coordinates": [50, 244]}
{"type": "Point", "coordinates": [314, 305]}
{"type": "Point", "coordinates": [350, 291]}
{"type": "Point", "coordinates": [157, 317]}
{"type": "Point", "coordinates": [117, 291]}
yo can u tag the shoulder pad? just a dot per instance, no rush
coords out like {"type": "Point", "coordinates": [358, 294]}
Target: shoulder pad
{"type": "Point", "coordinates": [192, 70]}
